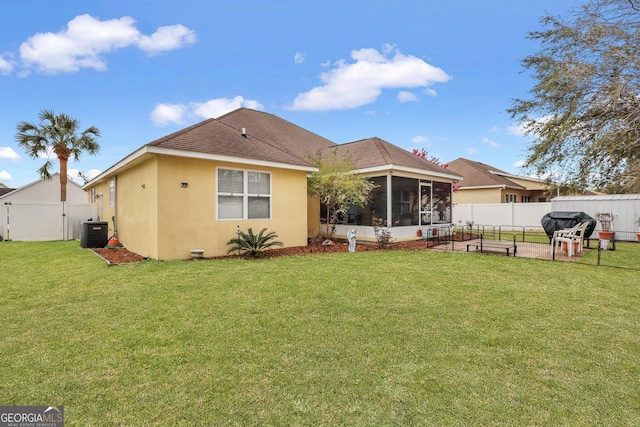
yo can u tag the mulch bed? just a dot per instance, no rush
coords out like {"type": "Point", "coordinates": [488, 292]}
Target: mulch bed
{"type": "Point", "coordinates": [117, 256]}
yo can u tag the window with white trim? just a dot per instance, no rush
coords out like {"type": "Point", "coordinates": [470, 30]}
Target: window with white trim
{"type": "Point", "coordinates": [112, 193]}
{"type": "Point", "coordinates": [511, 198]}
{"type": "Point", "coordinates": [243, 194]}
{"type": "Point", "coordinates": [526, 199]}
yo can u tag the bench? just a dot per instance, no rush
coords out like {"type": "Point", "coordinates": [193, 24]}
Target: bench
{"type": "Point", "coordinates": [492, 245]}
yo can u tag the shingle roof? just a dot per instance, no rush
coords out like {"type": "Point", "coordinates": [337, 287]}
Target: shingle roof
{"type": "Point", "coordinates": [271, 138]}
{"type": "Point", "coordinates": [276, 132]}
{"type": "Point", "coordinates": [373, 152]}
{"type": "Point", "coordinates": [217, 138]}
{"type": "Point", "coordinates": [477, 174]}
{"type": "Point", "coordinates": [5, 190]}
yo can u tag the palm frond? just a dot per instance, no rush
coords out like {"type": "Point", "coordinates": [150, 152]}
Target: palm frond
{"type": "Point", "coordinates": [253, 245]}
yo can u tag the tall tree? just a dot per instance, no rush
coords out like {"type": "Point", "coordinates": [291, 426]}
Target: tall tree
{"type": "Point", "coordinates": [584, 108]}
{"type": "Point", "coordinates": [56, 134]}
{"type": "Point", "coordinates": [336, 186]}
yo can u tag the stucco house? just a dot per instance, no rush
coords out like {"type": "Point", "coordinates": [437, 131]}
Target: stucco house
{"type": "Point", "coordinates": [193, 189]}
{"type": "Point", "coordinates": [486, 184]}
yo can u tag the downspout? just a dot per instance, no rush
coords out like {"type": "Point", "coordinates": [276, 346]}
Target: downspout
{"type": "Point", "coordinates": [114, 217]}
{"type": "Point", "coordinates": [389, 201]}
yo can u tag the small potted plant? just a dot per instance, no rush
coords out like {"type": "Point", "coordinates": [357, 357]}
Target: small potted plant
{"type": "Point", "coordinates": [605, 219]}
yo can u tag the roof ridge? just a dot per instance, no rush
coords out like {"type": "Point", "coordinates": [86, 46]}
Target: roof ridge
{"type": "Point", "coordinates": [383, 150]}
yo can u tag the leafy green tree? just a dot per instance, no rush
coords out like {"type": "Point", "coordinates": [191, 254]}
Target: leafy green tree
{"type": "Point", "coordinates": [253, 245]}
{"type": "Point", "coordinates": [584, 108]}
{"type": "Point", "coordinates": [337, 187]}
{"type": "Point", "coordinates": [57, 134]}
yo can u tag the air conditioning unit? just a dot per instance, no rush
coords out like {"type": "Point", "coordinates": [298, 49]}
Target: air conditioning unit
{"type": "Point", "coordinates": [93, 234]}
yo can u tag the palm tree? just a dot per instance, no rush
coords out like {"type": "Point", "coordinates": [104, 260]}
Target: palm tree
{"type": "Point", "coordinates": [57, 134]}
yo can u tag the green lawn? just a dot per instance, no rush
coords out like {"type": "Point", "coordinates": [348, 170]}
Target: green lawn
{"type": "Point", "coordinates": [364, 339]}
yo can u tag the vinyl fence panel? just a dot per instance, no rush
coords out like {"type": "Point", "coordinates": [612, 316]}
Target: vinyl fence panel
{"type": "Point", "coordinates": [33, 221]}
{"type": "Point", "coordinates": [504, 214]}
{"type": "Point", "coordinates": [43, 221]}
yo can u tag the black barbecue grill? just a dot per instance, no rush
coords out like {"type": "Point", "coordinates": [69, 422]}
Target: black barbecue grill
{"type": "Point", "coordinates": [558, 220]}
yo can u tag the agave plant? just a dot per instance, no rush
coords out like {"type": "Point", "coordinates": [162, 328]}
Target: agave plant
{"type": "Point", "coordinates": [252, 244]}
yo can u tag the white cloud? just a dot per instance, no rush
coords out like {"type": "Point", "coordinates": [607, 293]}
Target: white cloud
{"type": "Point", "coordinates": [77, 174]}
{"type": "Point", "coordinates": [494, 129]}
{"type": "Point", "coordinates": [86, 39]}
{"type": "Point", "coordinates": [517, 130]}
{"type": "Point", "coordinates": [404, 96]}
{"type": "Point", "coordinates": [6, 65]}
{"type": "Point", "coordinates": [7, 153]}
{"type": "Point", "coordinates": [299, 58]}
{"type": "Point", "coordinates": [519, 164]}
{"type": "Point", "coordinates": [166, 114]}
{"type": "Point", "coordinates": [471, 151]}
{"type": "Point", "coordinates": [47, 154]}
{"type": "Point", "coordinates": [5, 176]}
{"type": "Point", "coordinates": [217, 107]}
{"type": "Point", "coordinates": [167, 38]}
{"type": "Point", "coordinates": [351, 85]}
{"type": "Point", "coordinates": [431, 92]}
{"type": "Point", "coordinates": [92, 173]}
{"type": "Point", "coordinates": [419, 139]}
{"type": "Point", "coordinates": [325, 64]}
{"type": "Point", "coordinates": [491, 143]}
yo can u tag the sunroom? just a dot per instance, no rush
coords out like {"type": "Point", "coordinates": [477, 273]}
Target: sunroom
{"type": "Point", "coordinates": [412, 195]}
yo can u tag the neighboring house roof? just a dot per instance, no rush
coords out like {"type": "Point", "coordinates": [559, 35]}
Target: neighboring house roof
{"type": "Point", "coordinates": [375, 154]}
{"type": "Point", "coordinates": [481, 175]}
{"type": "Point", "coordinates": [5, 190]}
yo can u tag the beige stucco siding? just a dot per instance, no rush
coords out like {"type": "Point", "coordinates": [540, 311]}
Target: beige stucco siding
{"type": "Point", "coordinates": [482, 195]}
{"type": "Point", "coordinates": [104, 212]}
{"type": "Point", "coordinates": [137, 194]}
{"type": "Point", "coordinates": [187, 208]}
{"type": "Point", "coordinates": [529, 184]}
{"type": "Point", "coordinates": [494, 195]}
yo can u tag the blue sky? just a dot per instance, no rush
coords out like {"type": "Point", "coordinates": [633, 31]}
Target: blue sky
{"type": "Point", "coordinates": [426, 74]}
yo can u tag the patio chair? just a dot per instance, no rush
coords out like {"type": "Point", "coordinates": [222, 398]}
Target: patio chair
{"type": "Point", "coordinates": [572, 237]}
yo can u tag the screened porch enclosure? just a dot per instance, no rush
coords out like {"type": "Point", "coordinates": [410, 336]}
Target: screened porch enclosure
{"type": "Point", "coordinates": [413, 202]}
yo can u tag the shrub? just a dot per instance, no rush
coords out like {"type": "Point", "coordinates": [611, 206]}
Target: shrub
{"type": "Point", "coordinates": [383, 235]}
{"type": "Point", "coordinates": [252, 244]}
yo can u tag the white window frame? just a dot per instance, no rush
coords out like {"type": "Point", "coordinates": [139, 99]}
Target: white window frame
{"type": "Point", "coordinates": [112, 193]}
{"type": "Point", "coordinates": [511, 198]}
{"type": "Point", "coordinates": [526, 199]}
{"type": "Point", "coordinates": [245, 194]}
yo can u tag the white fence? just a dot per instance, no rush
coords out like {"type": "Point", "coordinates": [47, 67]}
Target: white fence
{"type": "Point", "coordinates": [505, 214]}
{"type": "Point", "coordinates": [43, 221]}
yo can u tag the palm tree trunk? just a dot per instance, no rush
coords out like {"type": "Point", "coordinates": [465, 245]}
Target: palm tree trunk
{"type": "Point", "coordinates": [63, 179]}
